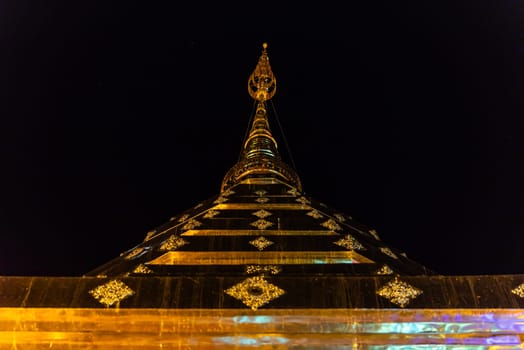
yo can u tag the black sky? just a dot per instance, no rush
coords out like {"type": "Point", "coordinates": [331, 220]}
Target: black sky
{"type": "Point", "coordinates": [118, 115]}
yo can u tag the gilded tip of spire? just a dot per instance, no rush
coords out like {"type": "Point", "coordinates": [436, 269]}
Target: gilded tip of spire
{"type": "Point", "coordinates": [264, 46]}
{"type": "Point", "coordinates": [262, 83]}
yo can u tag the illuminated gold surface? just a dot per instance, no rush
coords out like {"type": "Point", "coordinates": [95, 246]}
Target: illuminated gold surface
{"type": "Point", "coordinates": [258, 232]}
{"type": "Point", "coordinates": [340, 217]}
{"type": "Point", "coordinates": [303, 200]}
{"type": "Point", "coordinates": [374, 234]}
{"type": "Point", "coordinates": [259, 258]}
{"type": "Point", "coordinates": [260, 192]}
{"type": "Point", "coordinates": [399, 329]}
{"type": "Point", "coordinates": [262, 200]}
{"type": "Point", "coordinates": [111, 292]}
{"type": "Point", "coordinates": [261, 243]}
{"type": "Point", "coordinates": [399, 292]}
{"type": "Point", "coordinates": [220, 200]}
{"type": "Point", "coordinates": [255, 292]}
{"type": "Point", "coordinates": [262, 84]}
{"type": "Point", "coordinates": [254, 206]}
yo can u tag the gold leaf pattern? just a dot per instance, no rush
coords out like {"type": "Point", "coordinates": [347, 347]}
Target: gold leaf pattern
{"type": "Point", "coordinates": [385, 270]}
{"type": "Point", "coordinates": [332, 225]}
{"type": "Point", "coordinates": [272, 269]}
{"type": "Point", "coordinates": [173, 243]}
{"type": "Point", "coordinates": [262, 200]}
{"type": "Point", "coordinates": [399, 292]}
{"type": "Point", "coordinates": [261, 243]}
{"type": "Point", "coordinates": [261, 224]}
{"type": "Point", "coordinates": [387, 251]}
{"type": "Point", "coordinates": [519, 290]}
{"type": "Point", "coordinates": [111, 292]}
{"type": "Point", "coordinates": [262, 213]}
{"type": "Point", "coordinates": [211, 214]}
{"type": "Point", "coordinates": [191, 224]}
{"type": "Point", "coordinates": [134, 253]}
{"type": "Point", "coordinates": [349, 242]}
{"type": "Point", "coordinates": [315, 214]}
{"type": "Point", "coordinates": [255, 292]}
{"type": "Point", "coordinates": [142, 269]}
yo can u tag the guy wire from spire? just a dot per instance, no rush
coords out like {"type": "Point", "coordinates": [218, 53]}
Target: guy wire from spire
{"type": "Point", "coordinates": [283, 135]}
{"type": "Point", "coordinates": [251, 116]}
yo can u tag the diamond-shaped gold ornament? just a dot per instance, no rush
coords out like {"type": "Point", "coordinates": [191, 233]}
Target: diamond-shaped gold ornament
{"type": "Point", "coordinates": [399, 292]}
{"type": "Point", "coordinates": [211, 214]}
{"type": "Point", "coordinates": [349, 242]}
{"type": "Point", "coordinates": [519, 290]}
{"type": "Point", "coordinates": [262, 213]}
{"type": "Point", "coordinates": [142, 269]}
{"type": "Point", "coordinates": [255, 292]}
{"type": "Point", "coordinates": [261, 243]}
{"type": "Point", "coordinates": [262, 200]}
{"type": "Point", "coordinates": [111, 292]}
{"type": "Point", "coordinates": [261, 224]}
{"type": "Point", "coordinates": [385, 270]}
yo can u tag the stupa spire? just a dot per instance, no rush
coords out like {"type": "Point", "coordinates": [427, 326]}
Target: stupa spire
{"type": "Point", "coordinates": [259, 156]}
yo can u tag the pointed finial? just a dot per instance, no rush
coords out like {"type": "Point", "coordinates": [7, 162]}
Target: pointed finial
{"type": "Point", "coordinates": [262, 83]}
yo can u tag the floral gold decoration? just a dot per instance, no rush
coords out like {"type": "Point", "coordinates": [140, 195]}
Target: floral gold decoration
{"type": "Point", "coordinates": [519, 290]}
{"type": "Point", "coordinates": [260, 193]}
{"type": "Point", "coordinates": [173, 243]}
{"type": "Point", "coordinates": [261, 224]}
{"type": "Point", "coordinates": [272, 269]}
{"type": "Point", "coordinates": [399, 292]}
{"type": "Point", "coordinates": [142, 269]}
{"type": "Point", "coordinates": [211, 214]}
{"type": "Point", "coordinates": [111, 292]}
{"type": "Point", "coordinates": [262, 200]}
{"type": "Point", "coordinates": [262, 213]}
{"type": "Point", "coordinates": [387, 251]}
{"type": "Point", "coordinates": [255, 292]}
{"type": "Point", "coordinates": [191, 224]}
{"type": "Point", "coordinates": [349, 242]}
{"type": "Point", "coordinates": [331, 224]}
{"type": "Point", "coordinates": [134, 253]}
{"type": "Point", "coordinates": [385, 270]}
{"type": "Point", "coordinates": [315, 214]}
{"type": "Point", "coordinates": [261, 243]}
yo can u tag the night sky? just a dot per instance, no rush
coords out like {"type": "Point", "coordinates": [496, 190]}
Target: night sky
{"type": "Point", "coordinates": [117, 116]}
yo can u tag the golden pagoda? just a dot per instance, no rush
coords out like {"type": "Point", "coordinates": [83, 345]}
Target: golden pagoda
{"type": "Point", "coordinates": [262, 265]}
